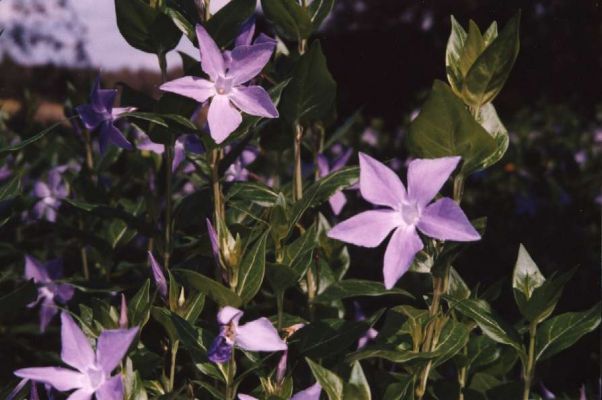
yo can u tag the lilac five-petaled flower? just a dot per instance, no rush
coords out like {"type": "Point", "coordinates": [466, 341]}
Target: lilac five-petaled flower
{"type": "Point", "coordinates": [158, 275]}
{"type": "Point", "coordinates": [257, 335]}
{"type": "Point", "coordinates": [405, 212]}
{"type": "Point", "coordinates": [227, 75]}
{"type": "Point", "coordinates": [50, 194]}
{"type": "Point", "coordinates": [49, 291]}
{"type": "Point", "coordinates": [100, 114]}
{"type": "Point", "coordinates": [238, 170]}
{"type": "Point", "coordinates": [92, 370]}
{"type": "Point", "coordinates": [338, 200]}
{"type": "Point", "coordinates": [311, 393]}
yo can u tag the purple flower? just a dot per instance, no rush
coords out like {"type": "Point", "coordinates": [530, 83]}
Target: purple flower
{"type": "Point", "coordinates": [370, 334]}
{"type": "Point", "coordinates": [546, 394]}
{"type": "Point", "coordinates": [225, 87]}
{"type": "Point", "coordinates": [404, 212]}
{"type": "Point", "coordinates": [257, 335]}
{"type": "Point", "coordinates": [144, 142]}
{"type": "Point", "coordinates": [100, 114]}
{"type": "Point", "coordinates": [158, 275]}
{"type": "Point", "coordinates": [51, 194]}
{"type": "Point", "coordinates": [49, 292]}
{"type": "Point", "coordinates": [213, 240]}
{"type": "Point", "coordinates": [185, 143]}
{"type": "Point", "coordinates": [370, 137]}
{"type": "Point", "coordinates": [5, 172]}
{"type": "Point", "coordinates": [238, 170]}
{"type": "Point", "coordinates": [311, 393]}
{"type": "Point", "coordinates": [338, 200]}
{"type": "Point", "coordinates": [92, 370]}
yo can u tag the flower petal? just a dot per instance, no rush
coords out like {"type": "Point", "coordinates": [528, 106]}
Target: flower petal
{"type": "Point", "coordinates": [228, 315]}
{"type": "Point", "coordinates": [220, 350]}
{"type": "Point", "coordinates": [158, 275]}
{"type": "Point", "coordinates": [323, 165]}
{"type": "Point", "coordinates": [82, 394]}
{"type": "Point", "coordinates": [35, 270]}
{"type": "Point", "coordinates": [47, 311]}
{"type": "Point", "coordinates": [89, 117]}
{"type": "Point", "coordinates": [311, 393]}
{"type": "Point", "coordinates": [64, 292]}
{"type": "Point", "coordinates": [427, 176]}
{"type": "Point", "coordinates": [246, 397]}
{"type": "Point", "coordinates": [118, 111]}
{"type": "Point", "coordinates": [342, 160]}
{"type": "Point", "coordinates": [259, 335]}
{"type": "Point", "coordinates": [62, 379]}
{"type": "Point", "coordinates": [367, 229]}
{"type": "Point", "coordinates": [41, 190]}
{"type": "Point", "coordinates": [222, 118]}
{"type": "Point", "coordinates": [402, 248]}
{"type": "Point", "coordinates": [76, 350]}
{"type": "Point", "coordinates": [379, 184]}
{"type": "Point", "coordinates": [253, 100]}
{"type": "Point", "coordinates": [212, 61]}
{"type": "Point", "coordinates": [445, 220]}
{"type": "Point", "coordinates": [337, 202]}
{"type": "Point", "coordinates": [113, 346]}
{"type": "Point", "coordinates": [102, 99]}
{"type": "Point", "coordinates": [190, 86]}
{"type": "Point", "coordinates": [248, 61]}
{"type": "Point", "coordinates": [213, 241]}
{"type": "Point", "coordinates": [245, 36]}
{"type": "Point", "coordinates": [111, 389]}
{"type": "Point", "coordinates": [110, 133]}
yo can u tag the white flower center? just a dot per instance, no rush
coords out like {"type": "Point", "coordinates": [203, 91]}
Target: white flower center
{"type": "Point", "coordinates": [410, 213]}
{"type": "Point", "coordinates": [223, 85]}
{"type": "Point", "coordinates": [96, 377]}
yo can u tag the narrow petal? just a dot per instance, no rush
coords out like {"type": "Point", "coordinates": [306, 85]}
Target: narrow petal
{"type": "Point", "coordinates": [223, 118]}
{"type": "Point", "coordinates": [61, 379]}
{"type": "Point", "coordinates": [64, 292]}
{"type": "Point", "coordinates": [402, 248]}
{"type": "Point", "coordinates": [253, 100]}
{"type": "Point", "coordinates": [379, 184]}
{"type": "Point", "coordinates": [76, 350]}
{"type": "Point", "coordinates": [311, 393]}
{"type": "Point", "coordinates": [259, 335]}
{"type": "Point", "coordinates": [245, 37]}
{"type": "Point", "coordinates": [248, 61]}
{"type": "Point", "coordinates": [82, 394]}
{"type": "Point", "coordinates": [213, 241]}
{"type": "Point", "coordinates": [113, 346]}
{"type": "Point", "coordinates": [367, 229]}
{"type": "Point", "coordinates": [229, 315]}
{"type": "Point", "coordinates": [445, 220]}
{"type": "Point", "coordinates": [246, 397]}
{"type": "Point", "coordinates": [114, 135]}
{"type": "Point", "coordinates": [158, 275]}
{"type": "Point", "coordinates": [35, 270]}
{"type": "Point", "coordinates": [212, 61]}
{"type": "Point", "coordinates": [118, 111]}
{"type": "Point", "coordinates": [190, 86]}
{"type": "Point", "coordinates": [323, 165]}
{"type": "Point", "coordinates": [41, 190]}
{"type": "Point", "coordinates": [111, 389]}
{"type": "Point", "coordinates": [89, 117]}
{"type": "Point", "coordinates": [179, 154]}
{"type": "Point", "coordinates": [342, 160]}
{"type": "Point", "coordinates": [54, 268]}
{"type": "Point", "coordinates": [337, 202]}
{"type": "Point", "coordinates": [427, 176]}
{"type": "Point", "coordinates": [47, 311]}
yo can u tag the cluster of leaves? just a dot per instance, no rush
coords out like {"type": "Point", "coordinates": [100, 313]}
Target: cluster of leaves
{"type": "Point", "coordinates": [272, 256]}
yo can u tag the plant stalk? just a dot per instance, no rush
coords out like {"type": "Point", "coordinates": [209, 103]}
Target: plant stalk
{"type": "Point", "coordinates": [169, 154]}
{"type": "Point", "coordinates": [530, 368]}
{"type": "Point", "coordinates": [172, 367]}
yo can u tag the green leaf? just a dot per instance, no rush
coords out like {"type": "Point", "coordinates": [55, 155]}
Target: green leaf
{"type": "Point", "coordinates": [491, 69]}
{"type": "Point", "coordinates": [32, 139]}
{"type": "Point", "coordinates": [401, 390]}
{"type": "Point", "coordinates": [318, 11]}
{"type": "Point", "coordinates": [214, 290]}
{"type": "Point", "coordinates": [357, 387]}
{"type": "Point", "coordinates": [457, 286]}
{"type": "Point", "coordinates": [526, 276]}
{"type": "Point", "coordinates": [455, 45]}
{"type": "Point", "coordinates": [490, 323]}
{"type": "Point", "coordinates": [281, 277]}
{"type": "Point", "coordinates": [225, 25]}
{"type": "Point", "coordinates": [354, 288]}
{"type": "Point", "coordinates": [290, 20]}
{"type": "Point", "coordinates": [310, 95]}
{"type": "Point", "coordinates": [252, 270]}
{"type": "Point", "coordinates": [445, 127]}
{"type": "Point", "coordinates": [255, 192]}
{"type": "Point", "coordinates": [489, 120]}
{"type": "Point", "coordinates": [139, 306]}
{"type": "Point", "coordinates": [13, 303]}
{"type": "Point", "coordinates": [146, 28]}
{"type": "Point", "coordinates": [563, 331]}
{"type": "Point", "coordinates": [482, 351]}
{"type": "Point", "coordinates": [11, 189]}
{"type": "Point", "coordinates": [331, 383]}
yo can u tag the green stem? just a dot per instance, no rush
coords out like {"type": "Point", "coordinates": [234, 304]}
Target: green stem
{"type": "Point", "coordinates": [298, 177]}
{"type": "Point", "coordinates": [169, 154]}
{"type": "Point", "coordinates": [217, 190]}
{"type": "Point", "coordinates": [230, 372]}
{"type": "Point", "coordinates": [530, 368]}
{"type": "Point", "coordinates": [172, 367]}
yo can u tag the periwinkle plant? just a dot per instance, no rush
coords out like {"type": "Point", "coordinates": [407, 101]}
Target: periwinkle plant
{"type": "Point", "coordinates": [256, 236]}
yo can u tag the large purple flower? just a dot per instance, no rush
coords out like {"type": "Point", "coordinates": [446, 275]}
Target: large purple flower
{"type": "Point", "coordinates": [49, 291]}
{"type": "Point", "coordinates": [257, 335]}
{"type": "Point", "coordinates": [311, 393]}
{"type": "Point", "coordinates": [405, 212]}
{"type": "Point", "coordinates": [225, 87]}
{"type": "Point", "coordinates": [92, 370]}
{"type": "Point", "coordinates": [50, 194]}
{"type": "Point", "coordinates": [338, 200]}
{"type": "Point", "coordinates": [100, 114]}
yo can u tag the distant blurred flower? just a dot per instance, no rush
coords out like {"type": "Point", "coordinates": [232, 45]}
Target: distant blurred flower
{"type": "Point", "coordinates": [370, 137]}
{"type": "Point", "coordinates": [371, 334]}
{"type": "Point", "coordinates": [546, 394]}
{"type": "Point", "coordinates": [581, 157]}
{"type": "Point", "coordinates": [51, 194]}
{"type": "Point", "coordinates": [238, 170]}
{"type": "Point", "coordinates": [186, 143]}
{"type": "Point", "coordinates": [325, 167]}
{"type": "Point", "coordinates": [144, 142]}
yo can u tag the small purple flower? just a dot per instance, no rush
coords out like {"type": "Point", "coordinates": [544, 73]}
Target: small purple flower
{"type": "Point", "coordinates": [311, 393]}
{"type": "Point", "coordinates": [100, 114]}
{"type": "Point", "coordinates": [338, 200]}
{"type": "Point", "coordinates": [92, 370]}
{"type": "Point", "coordinates": [238, 172]}
{"type": "Point", "coordinates": [51, 194]}
{"type": "Point", "coordinates": [370, 137]}
{"type": "Point", "coordinates": [185, 143]}
{"type": "Point", "coordinates": [5, 172]}
{"type": "Point", "coordinates": [49, 292]}
{"type": "Point", "coordinates": [144, 143]}
{"type": "Point", "coordinates": [370, 334]}
{"type": "Point", "coordinates": [405, 212]}
{"type": "Point", "coordinates": [226, 87]}
{"type": "Point", "coordinates": [158, 275]}
{"type": "Point", "coordinates": [257, 335]}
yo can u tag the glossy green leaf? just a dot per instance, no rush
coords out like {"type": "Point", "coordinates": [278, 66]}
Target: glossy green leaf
{"type": "Point", "coordinates": [225, 25]}
{"type": "Point", "coordinates": [544, 298]}
{"type": "Point", "coordinates": [291, 21]}
{"type": "Point", "coordinates": [330, 382]}
{"type": "Point", "coordinates": [11, 189]}
{"type": "Point", "coordinates": [32, 139]}
{"type": "Point", "coordinates": [354, 288]}
{"type": "Point", "coordinates": [318, 11]}
{"type": "Point", "coordinates": [214, 290]}
{"type": "Point", "coordinates": [489, 120]}
{"type": "Point", "coordinates": [357, 387]}
{"type": "Point", "coordinates": [445, 127]}
{"type": "Point", "coordinates": [139, 306]}
{"type": "Point", "coordinates": [252, 270]}
{"type": "Point", "coordinates": [310, 94]}
{"type": "Point", "coordinates": [563, 331]}
{"type": "Point", "coordinates": [255, 192]}
{"type": "Point", "coordinates": [401, 390]}
{"type": "Point", "coordinates": [455, 46]}
{"type": "Point", "coordinates": [457, 287]}
{"type": "Point", "coordinates": [526, 276]}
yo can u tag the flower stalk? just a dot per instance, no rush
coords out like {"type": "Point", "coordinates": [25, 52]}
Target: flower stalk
{"type": "Point", "coordinates": [529, 369]}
